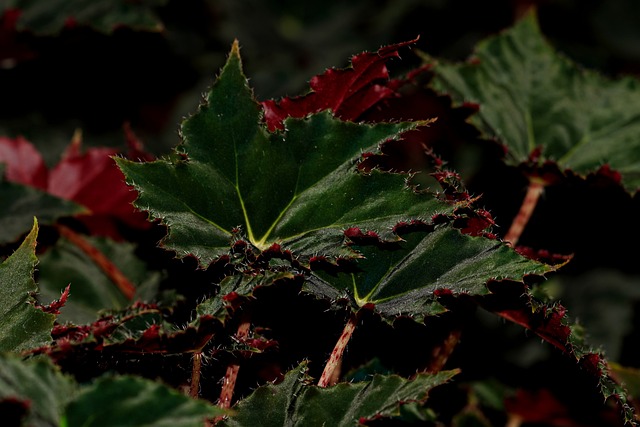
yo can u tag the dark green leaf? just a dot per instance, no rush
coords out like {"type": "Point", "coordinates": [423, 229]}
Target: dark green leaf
{"type": "Point", "coordinates": [52, 16]}
{"type": "Point", "coordinates": [530, 95]}
{"type": "Point", "coordinates": [39, 383]}
{"type": "Point", "coordinates": [295, 402]}
{"type": "Point", "coordinates": [298, 187]}
{"type": "Point", "coordinates": [19, 204]}
{"type": "Point", "coordinates": [131, 401]}
{"type": "Point", "coordinates": [22, 325]}
{"type": "Point", "coordinates": [402, 281]}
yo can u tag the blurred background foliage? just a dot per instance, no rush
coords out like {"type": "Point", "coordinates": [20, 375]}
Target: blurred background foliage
{"type": "Point", "coordinates": [96, 64]}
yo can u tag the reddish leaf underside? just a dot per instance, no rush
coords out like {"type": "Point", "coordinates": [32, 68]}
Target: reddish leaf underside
{"type": "Point", "coordinates": [347, 92]}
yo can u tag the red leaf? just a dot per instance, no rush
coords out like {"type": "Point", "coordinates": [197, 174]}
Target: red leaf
{"type": "Point", "coordinates": [90, 178]}
{"type": "Point", "coordinates": [539, 407]}
{"type": "Point", "coordinates": [24, 164]}
{"type": "Point", "coordinates": [347, 92]}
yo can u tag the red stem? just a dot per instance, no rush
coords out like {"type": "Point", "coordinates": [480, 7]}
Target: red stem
{"type": "Point", "coordinates": [194, 387]}
{"type": "Point", "coordinates": [115, 275]}
{"type": "Point", "coordinates": [535, 189]}
{"type": "Point", "coordinates": [331, 371]}
{"type": "Point", "coordinates": [229, 382]}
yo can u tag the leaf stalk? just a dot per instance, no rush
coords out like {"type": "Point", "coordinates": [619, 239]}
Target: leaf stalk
{"type": "Point", "coordinates": [331, 372]}
{"type": "Point", "coordinates": [109, 268]}
{"type": "Point", "coordinates": [534, 191]}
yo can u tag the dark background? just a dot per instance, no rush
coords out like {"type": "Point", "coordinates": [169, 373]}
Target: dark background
{"type": "Point", "coordinates": [52, 82]}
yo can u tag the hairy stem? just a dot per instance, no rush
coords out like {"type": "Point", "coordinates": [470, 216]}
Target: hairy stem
{"type": "Point", "coordinates": [535, 189]}
{"type": "Point", "coordinates": [194, 387]}
{"type": "Point", "coordinates": [230, 377]}
{"type": "Point", "coordinates": [331, 371]}
{"type": "Point", "coordinates": [109, 268]}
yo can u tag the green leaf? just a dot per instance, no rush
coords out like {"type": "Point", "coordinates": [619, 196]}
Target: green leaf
{"type": "Point", "coordinates": [38, 383]}
{"type": "Point", "coordinates": [532, 96]}
{"type": "Point", "coordinates": [404, 280]}
{"type": "Point", "coordinates": [294, 402]}
{"type": "Point", "coordinates": [91, 289]}
{"type": "Point", "coordinates": [131, 401]}
{"type": "Point", "coordinates": [20, 203]}
{"type": "Point", "coordinates": [298, 188]}
{"type": "Point", "coordinates": [51, 16]}
{"type": "Point", "coordinates": [22, 325]}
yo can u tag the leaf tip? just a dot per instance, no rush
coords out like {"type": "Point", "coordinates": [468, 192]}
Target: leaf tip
{"type": "Point", "coordinates": [235, 48]}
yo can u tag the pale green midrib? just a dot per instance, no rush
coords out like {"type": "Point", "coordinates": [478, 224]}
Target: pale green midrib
{"type": "Point", "coordinates": [262, 243]}
{"type": "Point", "coordinates": [388, 273]}
{"type": "Point", "coordinates": [531, 138]}
{"type": "Point", "coordinates": [366, 299]}
{"type": "Point", "coordinates": [481, 255]}
{"type": "Point", "coordinates": [564, 159]}
{"type": "Point", "coordinates": [236, 185]}
{"type": "Point", "coordinates": [598, 134]}
{"type": "Point", "coordinates": [207, 220]}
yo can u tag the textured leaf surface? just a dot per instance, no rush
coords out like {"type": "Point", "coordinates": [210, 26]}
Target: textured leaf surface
{"type": "Point", "coordinates": [407, 279]}
{"type": "Point", "coordinates": [531, 96]}
{"type": "Point", "coordinates": [140, 328]}
{"type": "Point", "coordinates": [38, 383]}
{"type": "Point", "coordinates": [52, 16]}
{"type": "Point", "coordinates": [91, 290]}
{"type": "Point", "coordinates": [294, 402]}
{"type": "Point", "coordinates": [131, 401]}
{"type": "Point", "coordinates": [298, 188]}
{"type": "Point", "coordinates": [22, 325]}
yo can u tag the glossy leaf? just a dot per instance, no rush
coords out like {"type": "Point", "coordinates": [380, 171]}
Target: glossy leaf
{"type": "Point", "coordinates": [407, 280]}
{"type": "Point", "coordinates": [298, 188]}
{"type": "Point", "coordinates": [295, 402]}
{"type": "Point", "coordinates": [52, 16]}
{"type": "Point", "coordinates": [38, 383]}
{"type": "Point", "coordinates": [132, 401]}
{"type": "Point", "coordinates": [23, 326]}
{"type": "Point", "coordinates": [531, 96]}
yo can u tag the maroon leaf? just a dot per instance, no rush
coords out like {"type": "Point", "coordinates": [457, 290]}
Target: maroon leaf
{"type": "Point", "coordinates": [55, 306]}
{"type": "Point", "coordinates": [539, 407]}
{"type": "Point", "coordinates": [347, 92]}
{"type": "Point", "coordinates": [414, 100]}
